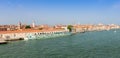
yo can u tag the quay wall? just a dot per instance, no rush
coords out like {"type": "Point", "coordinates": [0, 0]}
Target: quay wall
{"type": "Point", "coordinates": [25, 34]}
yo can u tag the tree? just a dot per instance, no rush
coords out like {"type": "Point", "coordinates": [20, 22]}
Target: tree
{"type": "Point", "coordinates": [27, 27]}
{"type": "Point", "coordinates": [70, 27]}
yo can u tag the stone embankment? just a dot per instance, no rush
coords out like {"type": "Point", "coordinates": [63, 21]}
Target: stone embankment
{"type": "Point", "coordinates": [2, 41]}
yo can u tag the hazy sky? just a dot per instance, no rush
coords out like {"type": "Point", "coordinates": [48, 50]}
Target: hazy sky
{"type": "Point", "coordinates": [60, 11]}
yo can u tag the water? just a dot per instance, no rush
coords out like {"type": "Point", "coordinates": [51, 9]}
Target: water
{"type": "Point", "coordinates": [104, 44]}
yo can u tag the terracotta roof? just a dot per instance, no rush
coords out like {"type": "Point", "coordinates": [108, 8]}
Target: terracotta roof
{"type": "Point", "coordinates": [29, 30]}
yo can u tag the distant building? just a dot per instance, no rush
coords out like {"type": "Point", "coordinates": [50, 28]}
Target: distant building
{"type": "Point", "coordinates": [3, 29]}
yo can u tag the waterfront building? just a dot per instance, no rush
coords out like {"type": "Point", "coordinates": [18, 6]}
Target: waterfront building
{"type": "Point", "coordinates": [7, 27]}
{"type": "Point", "coordinates": [3, 29]}
{"type": "Point", "coordinates": [23, 33]}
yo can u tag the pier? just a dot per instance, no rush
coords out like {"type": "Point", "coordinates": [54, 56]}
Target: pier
{"type": "Point", "coordinates": [14, 39]}
{"type": "Point", "coordinates": [3, 41]}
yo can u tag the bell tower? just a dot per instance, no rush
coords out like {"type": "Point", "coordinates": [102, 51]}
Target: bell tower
{"type": "Point", "coordinates": [33, 24]}
{"type": "Point", "coordinates": [19, 25]}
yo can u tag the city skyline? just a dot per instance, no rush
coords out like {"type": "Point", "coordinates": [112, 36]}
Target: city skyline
{"type": "Point", "coordinates": [60, 11]}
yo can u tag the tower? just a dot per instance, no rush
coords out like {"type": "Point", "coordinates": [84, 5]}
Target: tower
{"type": "Point", "coordinates": [19, 25]}
{"type": "Point", "coordinates": [33, 24]}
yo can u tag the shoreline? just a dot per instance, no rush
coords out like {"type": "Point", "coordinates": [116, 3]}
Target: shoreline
{"type": "Point", "coordinates": [5, 41]}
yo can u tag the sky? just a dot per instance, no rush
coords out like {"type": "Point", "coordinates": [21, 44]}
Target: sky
{"type": "Point", "coordinates": [60, 11]}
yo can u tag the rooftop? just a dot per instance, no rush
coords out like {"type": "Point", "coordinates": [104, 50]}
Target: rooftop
{"type": "Point", "coordinates": [29, 30]}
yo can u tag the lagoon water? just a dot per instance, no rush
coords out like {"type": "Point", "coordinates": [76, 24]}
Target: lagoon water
{"type": "Point", "coordinates": [102, 44]}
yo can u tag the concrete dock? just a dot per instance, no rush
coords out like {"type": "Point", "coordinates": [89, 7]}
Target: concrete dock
{"type": "Point", "coordinates": [14, 39]}
{"type": "Point", "coordinates": [2, 41]}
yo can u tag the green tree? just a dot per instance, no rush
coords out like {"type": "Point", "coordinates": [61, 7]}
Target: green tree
{"type": "Point", "coordinates": [27, 27]}
{"type": "Point", "coordinates": [70, 27]}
